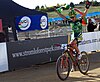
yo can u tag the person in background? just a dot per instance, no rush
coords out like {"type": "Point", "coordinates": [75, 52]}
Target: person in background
{"type": "Point", "coordinates": [2, 37]}
{"type": "Point", "coordinates": [91, 25]}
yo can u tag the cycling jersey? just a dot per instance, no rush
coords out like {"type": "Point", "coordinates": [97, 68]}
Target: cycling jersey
{"type": "Point", "coordinates": [77, 28]}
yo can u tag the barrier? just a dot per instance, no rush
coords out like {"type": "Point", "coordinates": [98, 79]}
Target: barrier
{"type": "Point", "coordinates": [20, 54]}
{"type": "Point", "coordinates": [90, 42]}
{"type": "Point", "coordinates": [26, 53]}
{"type": "Point", "coordinates": [3, 58]}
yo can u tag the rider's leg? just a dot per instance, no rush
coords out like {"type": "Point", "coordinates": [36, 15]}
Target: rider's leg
{"type": "Point", "coordinates": [73, 68]}
{"type": "Point", "coordinates": [74, 45]}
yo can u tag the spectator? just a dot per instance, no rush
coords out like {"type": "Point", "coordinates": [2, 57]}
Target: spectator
{"type": "Point", "coordinates": [2, 37]}
{"type": "Point", "coordinates": [91, 26]}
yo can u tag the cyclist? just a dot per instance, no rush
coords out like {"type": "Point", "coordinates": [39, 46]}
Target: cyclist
{"type": "Point", "coordinates": [76, 24]}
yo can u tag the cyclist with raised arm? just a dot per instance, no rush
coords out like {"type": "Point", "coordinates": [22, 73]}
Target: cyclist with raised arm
{"type": "Point", "coordinates": [76, 24]}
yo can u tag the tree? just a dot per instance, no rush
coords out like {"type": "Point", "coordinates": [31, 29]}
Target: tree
{"type": "Point", "coordinates": [58, 5]}
{"type": "Point", "coordinates": [42, 7]}
{"type": "Point", "coordinates": [95, 3]}
{"type": "Point", "coordinates": [37, 7]}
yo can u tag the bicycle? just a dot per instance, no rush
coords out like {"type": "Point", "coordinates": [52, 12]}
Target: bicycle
{"type": "Point", "coordinates": [64, 62]}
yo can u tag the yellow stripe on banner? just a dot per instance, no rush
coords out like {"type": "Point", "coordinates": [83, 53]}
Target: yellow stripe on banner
{"type": "Point", "coordinates": [69, 37]}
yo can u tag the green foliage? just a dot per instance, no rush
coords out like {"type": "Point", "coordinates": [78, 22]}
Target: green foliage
{"type": "Point", "coordinates": [95, 3]}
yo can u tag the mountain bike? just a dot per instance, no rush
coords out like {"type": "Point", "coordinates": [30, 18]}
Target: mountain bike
{"type": "Point", "coordinates": [65, 61]}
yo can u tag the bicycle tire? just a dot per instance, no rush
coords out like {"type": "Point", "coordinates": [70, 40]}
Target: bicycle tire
{"type": "Point", "coordinates": [83, 63]}
{"type": "Point", "coordinates": [63, 69]}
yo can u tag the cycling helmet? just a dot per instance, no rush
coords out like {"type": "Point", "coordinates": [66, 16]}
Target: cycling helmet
{"type": "Point", "coordinates": [72, 5]}
{"type": "Point", "coordinates": [72, 13]}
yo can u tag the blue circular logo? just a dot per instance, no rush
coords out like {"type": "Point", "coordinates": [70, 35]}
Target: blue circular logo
{"type": "Point", "coordinates": [43, 22]}
{"type": "Point", "coordinates": [24, 23]}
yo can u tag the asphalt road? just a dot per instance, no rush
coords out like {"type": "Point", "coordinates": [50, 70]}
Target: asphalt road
{"type": "Point", "coordinates": [47, 73]}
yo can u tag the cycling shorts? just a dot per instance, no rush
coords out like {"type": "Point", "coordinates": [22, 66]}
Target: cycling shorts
{"type": "Point", "coordinates": [75, 35]}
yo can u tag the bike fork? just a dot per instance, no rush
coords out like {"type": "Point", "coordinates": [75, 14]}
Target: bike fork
{"type": "Point", "coordinates": [63, 60]}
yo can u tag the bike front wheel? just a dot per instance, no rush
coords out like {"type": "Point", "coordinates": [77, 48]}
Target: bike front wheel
{"type": "Point", "coordinates": [63, 67]}
{"type": "Point", "coordinates": [83, 63]}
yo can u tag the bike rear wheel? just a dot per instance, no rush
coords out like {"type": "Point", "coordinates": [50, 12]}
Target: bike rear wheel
{"type": "Point", "coordinates": [63, 67]}
{"type": "Point", "coordinates": [83, 63]}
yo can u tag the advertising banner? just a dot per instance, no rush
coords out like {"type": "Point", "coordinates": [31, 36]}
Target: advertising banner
{"type": "Point", "coordinates": [29, 23]}
{"type": "Point", "coordinates": [30, 52]}
{"type": "Point", "coordinates": [90, 42]}
{"type": "Point", "coordinates": [3, 58]}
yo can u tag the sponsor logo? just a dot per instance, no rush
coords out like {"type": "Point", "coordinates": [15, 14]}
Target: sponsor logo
{"type": "Point", "coordinates": [24, 23]}
{"type": "Point", "coordinates": [43, 22]}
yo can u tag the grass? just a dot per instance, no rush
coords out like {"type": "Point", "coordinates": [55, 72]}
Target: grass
{"type": "Point", "coordinates": [65, 12]}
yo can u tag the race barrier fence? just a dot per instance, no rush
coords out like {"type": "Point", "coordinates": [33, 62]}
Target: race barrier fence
{"type": "Point", "coordinates": [90, 42]}
{"type": "Point", "coordinates": [20, 54]}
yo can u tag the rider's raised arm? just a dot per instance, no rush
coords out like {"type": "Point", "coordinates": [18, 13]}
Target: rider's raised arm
{"type": "Point", "coordinates": [87, 6]}
{"type": "Point", "coordinates": [77, 10]}
{"type": "Point", "coordinates": [61, 15]}
{"type": "Point", "coordinates": [83, 14]}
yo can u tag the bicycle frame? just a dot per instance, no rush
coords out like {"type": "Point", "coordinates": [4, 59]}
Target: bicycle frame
{"type": "Point", "coordinates": [70, 54]}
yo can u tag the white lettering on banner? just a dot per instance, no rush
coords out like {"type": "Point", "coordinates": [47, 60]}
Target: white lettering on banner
{"type": "Point", "coordinates": [90, 42]}
{"type": "Point", "coordinates": [36, 51]}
